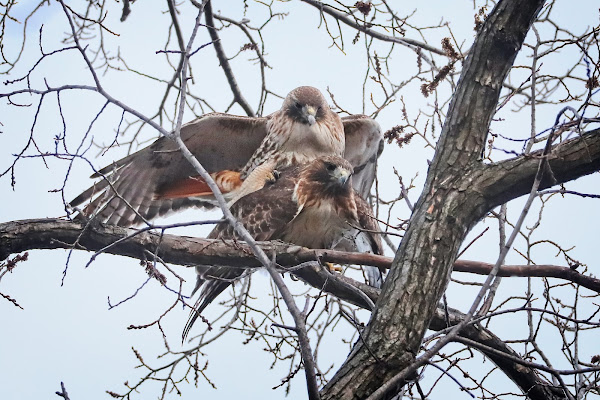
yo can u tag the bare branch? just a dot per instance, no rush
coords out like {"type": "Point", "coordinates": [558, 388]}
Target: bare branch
{"type": "Point", "coordinates": [410, 43]}
{"type": "Point", "coordinates": [19, 236]}
{"type": "Point", "coordinates": [63, 392]}
{"type": "Point", "coordinates": [235, 89]}
{"type": "Point", "coordinates": [189, 251]}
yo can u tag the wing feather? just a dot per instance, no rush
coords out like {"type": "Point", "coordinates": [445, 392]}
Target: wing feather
{"type": "Point", "coordinates": [371, 234]}
{"type": "Point", "coordinates": [141, 177]}
{"type": "Point", "coordinates": [364, 144]}
{"type": "Point", "coordinates": [269, 213]}
{"type": "Point", "coordinates": [211, 138]}
{"type": "Point", "coordinates": [370, 225]}
{"type": "Point", "coordinates": [263, 213]}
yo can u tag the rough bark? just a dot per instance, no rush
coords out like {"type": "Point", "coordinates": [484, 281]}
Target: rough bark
{"type": "Point", "coordinates": [19, 236]}
{"type": "Point", "coordinates": [573, 158]}
{"type": "Point", "coordinates": [447, 209]}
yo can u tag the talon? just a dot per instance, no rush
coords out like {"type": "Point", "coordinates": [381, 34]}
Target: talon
{"type": "Point", "coordinates": [272, 176]}
{"type": "Point", "coordinates": [332, 267]}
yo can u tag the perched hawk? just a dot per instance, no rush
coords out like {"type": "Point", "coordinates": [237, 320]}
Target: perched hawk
{"type": "Point", "coordinates": [158, 179]}
{"type": "Point", "coordinates": [311, 205]}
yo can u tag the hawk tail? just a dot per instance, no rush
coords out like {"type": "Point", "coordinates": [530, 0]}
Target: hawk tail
{"type": "Point", "coordinates": [210, 290]}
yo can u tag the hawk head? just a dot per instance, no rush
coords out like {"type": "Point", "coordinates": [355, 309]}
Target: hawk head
{"type": "Point", "coordinates": [325, 177]}
{"type": "Point", "coordinates": [306, 105]}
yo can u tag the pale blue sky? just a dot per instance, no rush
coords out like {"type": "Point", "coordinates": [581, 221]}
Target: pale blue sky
{"type": "Point", "coordinates": [66, 333]}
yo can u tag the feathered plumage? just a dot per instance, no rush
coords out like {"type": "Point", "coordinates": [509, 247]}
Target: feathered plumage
{"type": "Point", "coordinates": [311, 205]}
{"type": "Point", "coordinates": [158, 179]}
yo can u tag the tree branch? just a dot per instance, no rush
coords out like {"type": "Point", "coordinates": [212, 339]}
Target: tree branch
{"type": "Point", "coordinates": [508, 360]}
{"type": "Point", "coordinates": [298, 316]}
{"type": "Point", "coordinates": [410, 43]}
{"type": "Point", "coordinates": [19, 236]}
{"type": "Point", "coordinates": [238, 97]}
{"type": "Point", "coordinates": [445, 212]}
{"type": "Point", "coordinates": [545, 271]}
{"type": "Point", "coordinates": [571, 159]}
{"type": "Point", "coordinates": [256, 48]}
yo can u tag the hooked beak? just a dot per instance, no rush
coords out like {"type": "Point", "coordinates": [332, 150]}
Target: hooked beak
{"type": "Point", "coordinates": [310, 113]}
{"type": "Point", "coordinates": [342, 175]}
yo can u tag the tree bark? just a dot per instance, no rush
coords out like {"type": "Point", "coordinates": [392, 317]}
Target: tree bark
{"type": "Point", "coordinates": [446, 210]}
{"type": "Point", "coordinates": [19, 236]}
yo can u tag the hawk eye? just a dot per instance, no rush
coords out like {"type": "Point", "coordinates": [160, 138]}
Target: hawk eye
{"type": "Point", "coordinates": [330, 167]}
{"type": "Point", "coordinates": [298, 105]}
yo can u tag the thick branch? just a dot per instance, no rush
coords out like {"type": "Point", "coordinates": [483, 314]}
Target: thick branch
{"type": "Point", "coordinates": [444, 214]}
{"type": "Point", "coordinates": [571, 159]}
{"type": "Point", "coordinates": [19, 236]}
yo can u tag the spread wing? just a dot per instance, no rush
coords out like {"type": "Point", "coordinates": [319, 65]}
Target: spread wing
{"type": "Point", "coordinates": [364, 144]}
{"type": "Point", "coordinates": [219, 141]}
{"type": "Point", "coordinates": [155, 180]}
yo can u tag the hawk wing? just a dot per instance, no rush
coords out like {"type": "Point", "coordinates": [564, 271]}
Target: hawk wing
{"type": "Point", "coordinates": [369, 240]}
{"type": "Point", "coordinates": [364, 144]}
{"type": "Point", "coordinates": [263, 213]}
{"type": "Point", "coordinates": [310, 205]}
{"type": "Point", "coordinates": [139, 177]}
{"type": "Point", "coordinates": [132, 189]}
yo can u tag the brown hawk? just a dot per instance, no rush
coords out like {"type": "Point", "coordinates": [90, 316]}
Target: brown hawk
{"type": "Point", "coordinates": [311, 205]}
{"type": "Point", "coordinates": [158, 179]}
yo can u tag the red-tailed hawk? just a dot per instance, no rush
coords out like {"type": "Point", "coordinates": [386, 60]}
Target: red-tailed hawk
{"type": "Point", "coordinates": [311, 205]}
{"type": "Point", "coordinates": [158, 179]}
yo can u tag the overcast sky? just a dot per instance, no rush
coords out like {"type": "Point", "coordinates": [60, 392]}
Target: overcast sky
{"type": "Point", "coordinates": [66, 332]}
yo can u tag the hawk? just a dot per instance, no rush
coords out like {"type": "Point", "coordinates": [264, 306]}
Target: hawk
{"type": "Point", "coordinates": [158, 179]}
{"type": "Point", "coordinates": [312, 205]}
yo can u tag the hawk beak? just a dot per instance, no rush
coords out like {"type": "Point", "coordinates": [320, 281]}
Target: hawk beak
{"type": "Point", "coordinates": [310, 112]}
{"type": "Point", "coordinates": [342, 175]}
